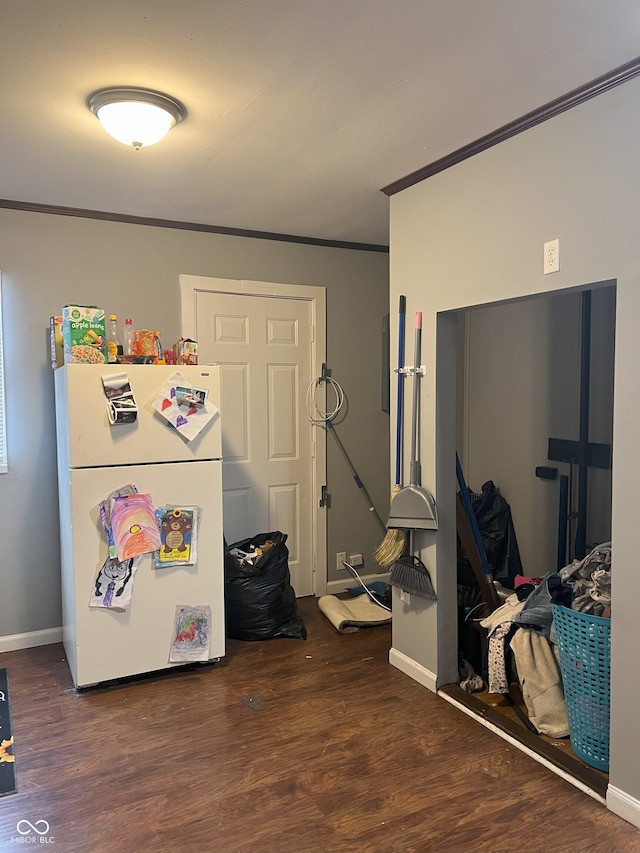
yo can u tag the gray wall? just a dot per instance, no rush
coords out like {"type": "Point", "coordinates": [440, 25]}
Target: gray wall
{"type": "Point", "coordinates": [522, 387]}
{"type": "Point", "coordinates": [574, 178]}
{"type": "Point", "coordinates": [132, 270]}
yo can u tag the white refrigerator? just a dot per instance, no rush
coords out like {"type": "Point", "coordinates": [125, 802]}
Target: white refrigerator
{"type": "Point", "coordinates": [97, 457]}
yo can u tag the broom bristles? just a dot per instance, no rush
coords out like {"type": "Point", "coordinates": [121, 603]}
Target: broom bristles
{"type": "Point", "coordinates": [394, 543]}
{"type": "Point", "coordinates": [391, 548]}
{"type": "Point", "coordinates": [411, 575]}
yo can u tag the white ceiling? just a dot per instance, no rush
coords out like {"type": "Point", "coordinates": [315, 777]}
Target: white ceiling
{"type": "Point", "coordinates": [299, 111]}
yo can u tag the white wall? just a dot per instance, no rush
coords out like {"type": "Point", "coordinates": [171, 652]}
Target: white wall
{"type": "Point", "coordinates": [132, 270]}
{"type": "Point", "coordinates": [575, 178]}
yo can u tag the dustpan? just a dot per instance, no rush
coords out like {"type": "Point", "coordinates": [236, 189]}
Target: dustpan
{"type": "Point", "coordinates": [414, 507]}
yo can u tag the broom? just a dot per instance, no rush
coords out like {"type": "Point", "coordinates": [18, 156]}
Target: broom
{"type": "Point", "coordinates": [410, 574]}
{"type": "Point", "coordinates": [393, 545]}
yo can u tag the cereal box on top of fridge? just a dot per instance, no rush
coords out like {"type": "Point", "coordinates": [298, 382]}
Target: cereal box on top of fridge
{"type": "Point", "coordinates": [55, 326]}
{"type": "Point", "coordinates": [83, 334]}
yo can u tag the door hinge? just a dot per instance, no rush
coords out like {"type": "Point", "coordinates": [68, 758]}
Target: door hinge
{"type": "Point", "coordinates": [325, 499]}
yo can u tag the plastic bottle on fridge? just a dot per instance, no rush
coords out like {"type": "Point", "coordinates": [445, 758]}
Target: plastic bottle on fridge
{"type": "Point", "coordinates": [129, 335]}
{"type": "Point", "coordinates": [112, 339]}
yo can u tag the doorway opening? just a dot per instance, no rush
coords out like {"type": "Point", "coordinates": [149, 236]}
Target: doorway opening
{"type": "Point", "coordinates": [534, 416]}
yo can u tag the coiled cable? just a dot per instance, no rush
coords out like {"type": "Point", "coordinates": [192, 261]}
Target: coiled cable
{"type": "Point", "coordinates": [316, 415]}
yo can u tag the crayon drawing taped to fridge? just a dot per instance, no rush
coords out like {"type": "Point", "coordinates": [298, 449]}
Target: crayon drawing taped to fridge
{"type": "Point", "coordinates": [191, 633]}
{"type": "Point", "coordinates": [113, 585]}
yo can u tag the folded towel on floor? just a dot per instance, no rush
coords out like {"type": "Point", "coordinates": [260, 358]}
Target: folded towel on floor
{"type": "Point", "coordinates": [350, 615]}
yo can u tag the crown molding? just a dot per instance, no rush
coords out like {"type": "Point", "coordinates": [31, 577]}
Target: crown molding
{"type": "Point", "coordinates": [578, 96]}
{"type": "Point", "coordinates": [52, 209]}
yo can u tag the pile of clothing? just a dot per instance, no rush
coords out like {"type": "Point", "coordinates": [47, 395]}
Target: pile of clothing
{"type": "Point", "coordinates": [525, 627]}
{"type": "Point", "coordinates": [585, 585]}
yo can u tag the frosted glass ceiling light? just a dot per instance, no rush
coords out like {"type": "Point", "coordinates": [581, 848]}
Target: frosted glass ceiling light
{"type": "Point", "coordinates": [135, 116]}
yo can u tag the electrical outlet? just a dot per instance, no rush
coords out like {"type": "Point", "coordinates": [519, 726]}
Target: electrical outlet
{"type": "Point", "coordinates": [356, 560]}
{"type": "Point", "coordinates": [551, 256]}
{"type": "Point", "coordinates": [340, 556]}
{"type": "Point", "coordinates": [405, 597]}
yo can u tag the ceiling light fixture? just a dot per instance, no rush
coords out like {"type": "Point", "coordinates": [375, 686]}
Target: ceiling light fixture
{"type": "Point", "coordinates": [136, 116]}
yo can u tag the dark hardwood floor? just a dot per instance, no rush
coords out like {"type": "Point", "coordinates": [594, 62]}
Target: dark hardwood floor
{"type": "Point", "coordinates": [557, 752]}
{"type": "Point", "coordinates": [288, 746]}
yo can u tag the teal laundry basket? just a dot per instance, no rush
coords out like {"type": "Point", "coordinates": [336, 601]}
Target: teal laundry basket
{"type": "Point", "coordinates": [584, 643]}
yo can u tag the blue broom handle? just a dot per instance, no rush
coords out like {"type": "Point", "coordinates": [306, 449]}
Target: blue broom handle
{"type": "Point", "coordinates": [401, 323]}
{"type": "Point", "coordinates": [466, 500]}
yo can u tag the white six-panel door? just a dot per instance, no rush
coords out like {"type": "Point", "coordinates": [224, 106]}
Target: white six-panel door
{"type": "Point", "coordinates": [264, 346]}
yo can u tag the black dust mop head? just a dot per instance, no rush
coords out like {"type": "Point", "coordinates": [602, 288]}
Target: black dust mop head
{"type": "Point", "coordinates": [410, 574]}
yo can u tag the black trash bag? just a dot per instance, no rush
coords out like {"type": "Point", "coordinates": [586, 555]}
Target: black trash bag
{"type": "Point", "coordinates": [260, 602]}
{"type": "Point", "coordinates": [493, 515]}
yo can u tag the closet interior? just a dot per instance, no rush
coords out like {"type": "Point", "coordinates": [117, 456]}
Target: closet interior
{"type": "Point", "coordinates": [534, 433]}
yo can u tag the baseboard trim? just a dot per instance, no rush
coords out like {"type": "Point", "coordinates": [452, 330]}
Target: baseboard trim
{"type": "Point", "coordinates": [336, 587]}
{"type": "Point", "coordinates": [14, 642]}
{"type": "Point", "coordinates": [624, 805]}
{"type": "Point", "coordinates": [414, 670]}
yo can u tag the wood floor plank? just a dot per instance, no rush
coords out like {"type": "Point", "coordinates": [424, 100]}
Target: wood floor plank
{"type": "Point", "coordinates": [287, 746]}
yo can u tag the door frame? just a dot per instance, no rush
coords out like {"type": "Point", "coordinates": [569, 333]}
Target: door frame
{"type": "Point", "coordinates": [190, 286]}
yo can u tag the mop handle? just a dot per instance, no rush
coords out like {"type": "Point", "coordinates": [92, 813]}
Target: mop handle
{"type": "Point", "coordinates": [356, 477]}
{"type": "Point", "coordinates": [415, 464]}
{"type": "Point", "coordinates": [401, 323]}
